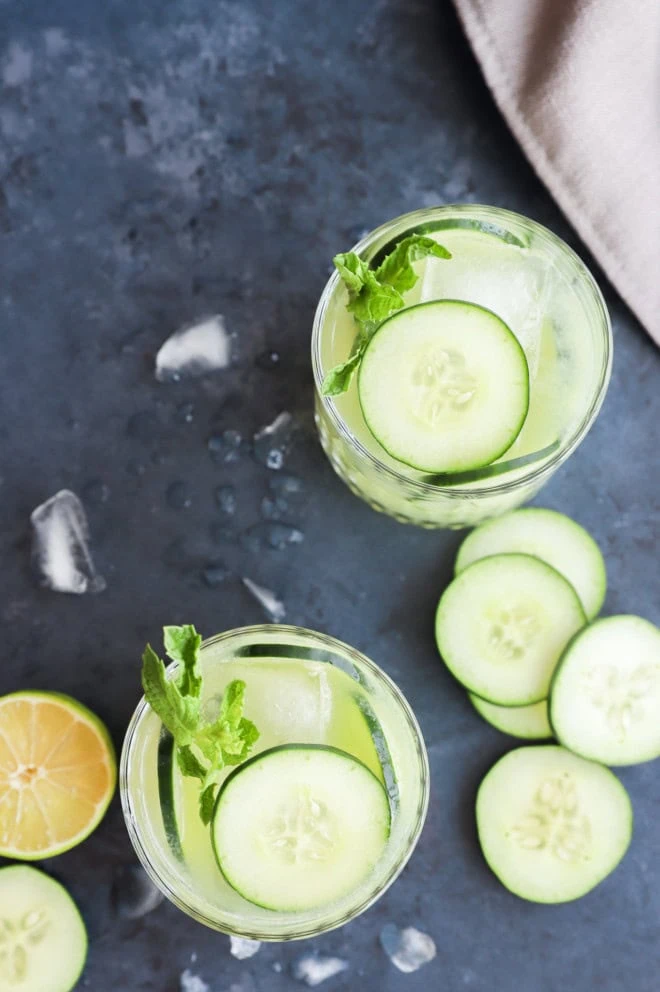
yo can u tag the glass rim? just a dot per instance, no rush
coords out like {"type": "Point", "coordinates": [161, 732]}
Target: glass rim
{"type": "Point", "coordinates": [311, 928]}
{"type": "Point", "coordinates": [565, 448]}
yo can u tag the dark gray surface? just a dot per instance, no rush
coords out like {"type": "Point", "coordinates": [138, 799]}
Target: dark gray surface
{"type": "Point", "coordinates": [160, 162]}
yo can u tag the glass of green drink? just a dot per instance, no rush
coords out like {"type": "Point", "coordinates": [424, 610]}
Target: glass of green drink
{"type": "Point", "coordinates": [460, 355]}
{"type": "Point", "coordinates": [316, 823]}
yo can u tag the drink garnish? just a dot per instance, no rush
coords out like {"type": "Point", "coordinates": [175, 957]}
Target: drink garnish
{"type": "Point", "coordinates": [374, 294]}
{"type": "Point", "coordinates": [204, 747]}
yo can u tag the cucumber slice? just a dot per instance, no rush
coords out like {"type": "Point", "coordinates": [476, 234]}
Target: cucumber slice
{"type": "Point", "coordinates": [552, 825]}
{"type": "Point", "coordinates": [502, 625]}
{"type": "Point", "coordinates": [490, 471]}
{"type": "Point", "coordinates": [528, 722]}
{"type": "Point", "coordinates": [545, 534]}
{"type": "Point", "coordinates": [444, 386]}
{"type": "Point", "coordinates": [43, 940]}
{"type": "Point", "coordinates": [605, 696]}
{"type": "Point", "coordinates": [299, 826]}
{"type": "Point", "coordinates": [169, 792]}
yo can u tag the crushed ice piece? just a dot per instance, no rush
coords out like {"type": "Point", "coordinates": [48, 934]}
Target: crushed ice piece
{"type": "Point", "coordinates": [225, 447]}
{"type": "Point", "coordinates": [243, 947]}
{"type": "Point", "coordinates": [407, 949]}
{"type": "Point", "coordinates": [285, 485]}
{"type": "Point", "coordinates": [315, 968]}
{"type": "Point", "coordinates": [271, 443]}
{"type": "Point", "coordinates": [267, 599]}
{"type": "Point", "coordinates": [225, 497]}
{"type": "Point", "coordinates": [60, 546]}
{"type": "Point", "coordinates": [178, 495]}
{"type": "Point", "coordinates": [215, 574]}
{"type": "Point", "coordinates": [272, 508]}
{"type": "Point", "coordinates": [275, 535]}
{"type": "Point", "coordinates": [268, 360]}
{"type": "Point", "coordinates": [134, 894]}
{"type": "Point", "coordinates": [204, 347]}
{"type": "Point", "coordinates": [188, 982]}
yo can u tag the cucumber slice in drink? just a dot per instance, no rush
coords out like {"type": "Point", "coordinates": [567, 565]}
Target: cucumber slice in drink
{"type": "Point", "coordinates": [552, 825]}
{"type": "Point", "coordinates": [43, 940]}
{"type": "Point", "coordinates": [605, 696]}
{"type": "Point", "coordinates": [490, 471]}
{"type": "Point", "coordinates": [299, 826]}
{"type": "Point", "coordinates": [545, 534]}
{"type": "Point", "coordinates": [444, 386]}
{"type": "Point", "coordinates": [169, 791]}
{"type": "Point", "coordinates": [502, 625]}
{"type": "Point", "coordinates": [529, 722]}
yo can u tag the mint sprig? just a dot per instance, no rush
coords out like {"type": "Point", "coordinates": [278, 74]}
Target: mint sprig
{"type": "Point", "coordinates": [203, 747]}
{"type": "Point", "coordinates": [375, 294]}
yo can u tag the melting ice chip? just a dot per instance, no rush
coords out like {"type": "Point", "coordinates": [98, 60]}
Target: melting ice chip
{"type": "Point", "coordinates": [315, 968]}
{"type": "Point", "coordinates": [271, 443]}
{"type": "Point", "coordinates": [194, 350]}
{"type": "Point", "coordinates": [243, 947]}
{"type": "Point", "coordinates": [407, 949]}
{"type": "Point", "coordinates": [192, 983]}
{"type": "Point", "coordinates": [271, 605]}
{"type": "Point", "coordinates": [60, 545]}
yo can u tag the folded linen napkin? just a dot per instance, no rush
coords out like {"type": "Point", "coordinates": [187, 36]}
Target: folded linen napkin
{"type": "Point", "coordinates": [579, 83]}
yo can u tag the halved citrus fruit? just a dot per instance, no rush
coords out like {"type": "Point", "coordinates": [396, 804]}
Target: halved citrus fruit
{"type": "Point", "coordinates": [57, 774]}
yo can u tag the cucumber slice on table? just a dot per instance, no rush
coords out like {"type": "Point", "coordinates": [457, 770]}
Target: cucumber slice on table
{"type": "Point", "coordinates": [529, 722]}
{"type": "Point", "coordinates": [444, 386]}
{"type": "Point", "coordinates": [551, 536]}
{"type": "Point", "coordinates": [43, 941]}
{"type": "Point", "coordinates": [502, 625]}
{"type": "Point", "coordinates": [605, 696]}
{"type": "Point", "coordinates": [552, 825]}
{"type": "Point", "coordinates": [299, 826]}
{"type": "Point", "coordinates": [169, 792]}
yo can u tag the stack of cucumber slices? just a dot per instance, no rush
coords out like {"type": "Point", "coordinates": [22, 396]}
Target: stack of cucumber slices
{"type": "Point", "coordinates": [517, 627]}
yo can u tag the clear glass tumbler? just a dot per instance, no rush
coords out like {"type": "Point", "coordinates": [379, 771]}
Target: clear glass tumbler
{"type": "Point", "coordinates": [549, 299]}
{"type": "Point", "coordinates": [302, 687]}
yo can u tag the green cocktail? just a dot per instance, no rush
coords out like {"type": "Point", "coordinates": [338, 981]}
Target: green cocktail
{"type": "Point", "coordinates": [479, 381]}
{"type": "Point", "coordinates": [317, 821]}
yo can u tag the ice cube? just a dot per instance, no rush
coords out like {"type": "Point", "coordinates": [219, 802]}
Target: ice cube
{"type": "Point", "coordinates": [195, 350]}
{"type": "Point", "coordinates": [316, 968]}
{"type": "Point", "coordinates": [188, 982]}
{"type": "Point", "coordinates": [291, 695]}
{"type": "Point", "coordinates": [407, 949]}
{"type": "Point", "coordinates": [267, 599]}
{"type": "Point", "coordinates": [134, 894]}
{"type": "Point", "coordinates": [272, 442]}
{"type": "Point", "coordinates": [513, 282]}
{"type": "Point", "coordinates": [227, 500]}
{"type": "Point", "coordinates": [243, 947]}
{"type": "Point", "coordinates": [60, 545]}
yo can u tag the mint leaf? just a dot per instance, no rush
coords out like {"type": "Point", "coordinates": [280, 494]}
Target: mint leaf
{"type": "Point", "coordinates": [204, 747]}
{"type": "Point", "coordinates": [207, 804]}
{"type": "Point", "coordinates": [397, 269]}
{"type": "Point", "coordinates": [180, 714]}
{"type": "Point", "coordinates": [182, 644]}
{"type": "Point", "coordinates": [189, 764]}
{"type": "Point", "coordinates": [374, 295]}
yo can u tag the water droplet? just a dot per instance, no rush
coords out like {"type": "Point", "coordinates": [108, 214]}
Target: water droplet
{"type": "Point", "coordinates": [268, 360]}
{"type": "Point", "coordinates": [185, 413]}
{"type": "Point", "coordinates": [272, 442]}
{"type": "Point", "coordinates": [215, 574]}
{"type": "Point", "coordinates": [225, 497]}
{"type": "Point", "coordinates": [274, 535]}
{"type": "Point", "coordinates": [273, 508]}
{"type": "Point", "coordinates": [285, 485]}
{"type": "Point", "coordinates": [178, 495]}
{"type": "Point", "coordinates": [221, 534]}
{"type": "Point", "coordinates": [225, 447]}
{"type": "Point", "coordinates": [95, 492]}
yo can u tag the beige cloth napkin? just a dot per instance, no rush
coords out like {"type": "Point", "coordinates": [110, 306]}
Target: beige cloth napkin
{"type": "Point", "coordinates": [579, 83]}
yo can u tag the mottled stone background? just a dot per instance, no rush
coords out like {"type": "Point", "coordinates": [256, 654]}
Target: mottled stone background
{"type": "Point", "coordinates": [163, 161]}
